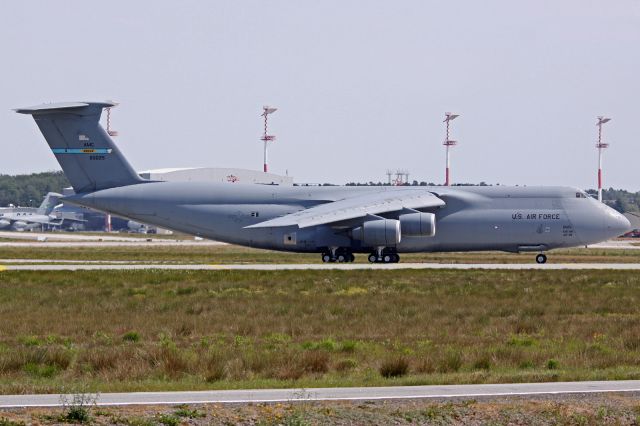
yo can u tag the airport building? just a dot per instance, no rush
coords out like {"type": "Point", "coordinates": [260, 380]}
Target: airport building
{"type": "Point", "coordinates": [220, 175]}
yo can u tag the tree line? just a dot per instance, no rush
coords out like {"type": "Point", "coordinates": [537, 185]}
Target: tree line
{"type": "Point", "coordinates": [29, 190]}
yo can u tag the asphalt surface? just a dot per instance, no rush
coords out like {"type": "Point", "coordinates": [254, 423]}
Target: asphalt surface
{"type": "Point", "coordinates": [313, 266]}
{"type": "Point", "coordinates": [70, 239]}
{"type": "Point", "coordinates": [330, 394]}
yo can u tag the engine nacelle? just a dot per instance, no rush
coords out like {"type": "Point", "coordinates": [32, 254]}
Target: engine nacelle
{"type": "Point", "coordinates": [19, 226]}
{"type": "Point", "coordinates": [418, 224]}
{"type": "Point", "coordinates": [4, 223]}
{"type": "Point", "coordinates": [378, 233]}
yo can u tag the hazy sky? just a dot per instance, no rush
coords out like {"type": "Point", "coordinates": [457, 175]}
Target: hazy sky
{"type": "Point", "coordinates": [361, 86]}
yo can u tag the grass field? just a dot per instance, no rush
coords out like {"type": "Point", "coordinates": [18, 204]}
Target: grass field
{"type": "Point", "coordinates": [163, 330]}
{"type": "Point", "coordinates": [222, 254]}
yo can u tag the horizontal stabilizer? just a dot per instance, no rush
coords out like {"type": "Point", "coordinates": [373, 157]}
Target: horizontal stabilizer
{"type": "Point", "coordinates": [60, 106]}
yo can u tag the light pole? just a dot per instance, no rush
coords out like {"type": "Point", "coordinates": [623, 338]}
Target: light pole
{"type": "Point", "coordinates": [266, 110]}
{"type": "Point", "coordinates": [600, 145]}
{"type": "Point", "coordinates": [448, 143]}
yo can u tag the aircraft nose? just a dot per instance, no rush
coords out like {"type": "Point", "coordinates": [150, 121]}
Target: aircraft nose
{"type": "Point", "coordinates": [616, 224]}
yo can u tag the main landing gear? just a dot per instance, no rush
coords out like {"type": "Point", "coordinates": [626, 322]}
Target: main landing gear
{"type": "Point", "coordinates": [541, 258]}
{"type": "Point", "coordinates": [379, 256]}
{"type": "Point", "coordinates": [338, 255]}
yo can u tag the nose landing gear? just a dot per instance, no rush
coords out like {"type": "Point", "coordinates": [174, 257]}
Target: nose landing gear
{"type": "Point", "coordinates": [541, 258]}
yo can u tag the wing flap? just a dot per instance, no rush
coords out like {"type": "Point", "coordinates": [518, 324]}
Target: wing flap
{"type": "Point", "coordinates": [355, 207]}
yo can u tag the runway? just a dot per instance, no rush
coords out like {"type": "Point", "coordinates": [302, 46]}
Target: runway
{"type": "Point", "coordinates": [331, 394]}
{"type": "Point", "coordinates": [23, 266]}
{"type": "Point", "coordinates": [61, 239]}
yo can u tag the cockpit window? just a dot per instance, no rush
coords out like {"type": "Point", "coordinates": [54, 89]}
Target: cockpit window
{"type": "Point", "coordinates": [581, 195]}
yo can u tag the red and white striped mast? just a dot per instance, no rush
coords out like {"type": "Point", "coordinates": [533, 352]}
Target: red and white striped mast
{"type": "Point", "coordinates": [266, 137]}
{"type": "Point", "coordinates": [112, 133]}
{"type": "Point", "coordinates": [600, 145]}
{"type": "Point", "coordinates": [448, 143]}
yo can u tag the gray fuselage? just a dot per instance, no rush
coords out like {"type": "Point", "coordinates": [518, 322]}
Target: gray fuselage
{"type": "Point", "coordinates": [474, 218]}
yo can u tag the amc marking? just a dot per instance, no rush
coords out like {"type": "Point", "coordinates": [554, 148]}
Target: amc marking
{"type": "Point", "coordinates": [81, 150]}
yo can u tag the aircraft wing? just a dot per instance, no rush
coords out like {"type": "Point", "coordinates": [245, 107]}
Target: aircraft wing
{"type": "Point", "coordinates": [30, 220]}
{"type": "Point", "coordinates": [356, 207]}
{"type": "Point", "coordinates": [38, 220]}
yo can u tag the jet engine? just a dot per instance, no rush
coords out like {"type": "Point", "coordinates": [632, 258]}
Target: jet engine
{"type": "Point", "coordinates": [378, 233]}
{"type": "Point", "coordinates": [4, 223]}
{"type": "Point", "coordinates": [418, 224]}
{"type": "Point", "coordinates": [19, 226]}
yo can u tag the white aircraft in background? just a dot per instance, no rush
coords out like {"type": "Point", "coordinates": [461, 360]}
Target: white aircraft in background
{"type": "Point", "coordinates": [26, 218]}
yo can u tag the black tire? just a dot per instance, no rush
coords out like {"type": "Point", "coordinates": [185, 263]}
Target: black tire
{"type": "Point", "coordinates": [326, 257]}
{"type": "Point", "coordinates": [387, 258]}
{"type": "Point", "coordinates": [342, 258]}
{"type": "Point", "coordinates": [541, 259]}
{"type": "Point", "coordinates": [373, 258]}
{"type": "Point", "coordinates": [352, 258]}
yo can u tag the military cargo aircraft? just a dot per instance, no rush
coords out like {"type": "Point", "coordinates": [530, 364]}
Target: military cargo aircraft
{"type": "Point", "coordinates": [25, 218]}
{"type": "Point", "coordinates": [336, 222]}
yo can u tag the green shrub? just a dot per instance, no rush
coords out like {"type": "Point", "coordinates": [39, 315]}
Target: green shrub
{"type": "Point", "coordinates": [521, 340]}
{"type": "Point", "coordinates": [168, 420]}
{"type": "Point", "coordinates": [348, 346]}
{"type": "Point", "coordinates": [553, 364]}
{"type": "Point", "coordinates": [42, 371]}
{"type": "Point", "coordinates": [131, 336]}
{"type": "Point", "coordinates": [326, 344]}
{"type": "Point", "coordinates": [76, 414]}
{"type": "Point", "coordinates": [31, 341]}
{"type": "Point", "coordinates": [185, 412]}
{"type": "Point", "coordinates": [6, 422]}
{"type": "Point", "coordinates": [76, 410]}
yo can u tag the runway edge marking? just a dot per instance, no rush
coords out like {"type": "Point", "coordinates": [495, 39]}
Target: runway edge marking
{"type": "Point", "coordinates": [293, 398]}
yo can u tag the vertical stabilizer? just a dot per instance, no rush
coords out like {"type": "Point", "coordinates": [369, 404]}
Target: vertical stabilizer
{"type": "Point", "coordinates": [49, 203]}
{"type": "Point", "coordinates": [89, 158]}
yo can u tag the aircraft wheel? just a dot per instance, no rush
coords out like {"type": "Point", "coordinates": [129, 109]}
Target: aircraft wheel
{"type": "Point", "coordinates": [326, 257]}
{"type": "Point", "coordinates": [373, 258]}
{"type": "Point", "coordinates": [352, 258]}
{"type": "Point", "coordinates": [342, 258]}
{"type": "Point", "coordinates": [396, 258]}
{"type": "Point", "coordinates": [387, 258]}
{"type": "Point", "coordinates": [541, 258]}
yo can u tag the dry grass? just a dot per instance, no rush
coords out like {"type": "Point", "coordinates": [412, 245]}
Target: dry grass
{"type": "Point", "coordinates": [144, 330]}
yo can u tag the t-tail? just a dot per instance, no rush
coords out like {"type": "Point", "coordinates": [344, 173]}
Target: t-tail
{"type": "Point", "coordinates": [49, 203]}
{"type": "Point", "coordinates": [88, 156]}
